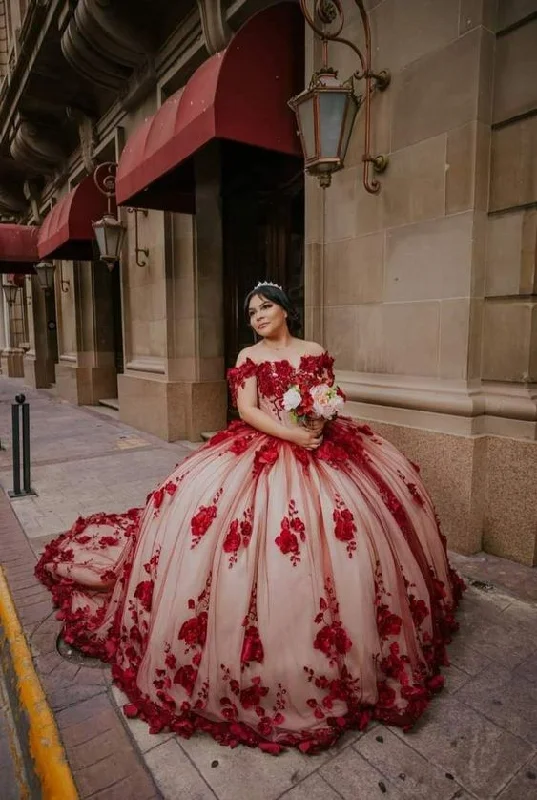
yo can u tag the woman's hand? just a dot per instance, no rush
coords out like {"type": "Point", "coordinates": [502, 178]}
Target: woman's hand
{"type": "Point", "coordinates": [305, 438]}
{"type": "Point", "coordinates": [315, 425]}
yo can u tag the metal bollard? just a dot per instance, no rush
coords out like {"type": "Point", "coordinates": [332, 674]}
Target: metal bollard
{"type": "Point", "coordinates": [21, 410]}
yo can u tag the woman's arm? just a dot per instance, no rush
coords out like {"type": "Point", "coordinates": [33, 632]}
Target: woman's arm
{"type": "Point", "coordinates": [249, 412]}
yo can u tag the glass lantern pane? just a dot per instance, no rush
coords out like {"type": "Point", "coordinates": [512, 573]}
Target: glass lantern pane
{"type": "Point", "coordinates": [350, 115]}
{"type": "Point", "coordinates": [100, 236]}
{"type": "Point", "coordinates": [45, 275]}
{"type": "Point", "coordinates": [306, 118]}
{"type": "Point", "coordinates": [331, 113]}
{"type": "Point", "coordinates": [114, 239]}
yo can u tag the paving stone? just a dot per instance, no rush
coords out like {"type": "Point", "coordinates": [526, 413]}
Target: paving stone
{"type": "Point", "coordinates": [137, 787]}
{"type": "Point", "coordinates": [107, 772]}
{"type": "Point", "coordinates": [508, 700]}
{"type": "Point", "coordinates": [410, 774]}
{"type": "Point", "coordinates": [481, 756]}
{"type": "Point", "coordinates": [176, 776]}
{"type": "Point", "coordinates": [454, 679]}
{"type": "Point", "coordinates": [516, 579]}
{"type": "Point", "coordinates": [313, 788]}
{"type": "Point", "coordinates": [496, 637]}
{"type": "Point", "coordinates": [528, 669]}
{"type": "Point", "coordinates": [354, 778]}
{"type": "Point", "coordinates": [464, 657]}
{"type": "Point", "coordinates": [524, 784]}
{"type": "Point", "coordinates": [266, 776]}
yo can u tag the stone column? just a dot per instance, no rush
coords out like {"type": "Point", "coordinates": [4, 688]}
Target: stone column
{"type": "Point", "coordinates": [3, 337]}
{"type": "Point", "coordinates": [11, 359]}
{"type": "Point", "coordinates": [86, 373]}
{"type": "Point", "coordinates": [195, 305]}
{"type": "Point", "coordinates": [38, 360]}
{"type": "Point", "coordinates": [174, 384]}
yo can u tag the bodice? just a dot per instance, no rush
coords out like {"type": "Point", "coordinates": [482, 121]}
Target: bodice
{"type": "Point", "coordinates": [274, 378]}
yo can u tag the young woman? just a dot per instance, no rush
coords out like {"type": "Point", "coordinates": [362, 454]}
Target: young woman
{"type": "Point", "coordinates": [286, 582]}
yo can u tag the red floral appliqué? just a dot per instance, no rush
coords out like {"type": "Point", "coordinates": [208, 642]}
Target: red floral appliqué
{"type": "Point", "coordinates": [345, 527]}
{"type": "Point", "coordinates": [332, 639]}
{"type": "Point", "coordinates": [291, 530]}
{"type": "Point", "coordinates": [252, 647]}
{"type": "Point", "coordinates": [238, 533]}
{"type": "Point", "coordinates": [266, 456]}
{"type": "Point", "coordinates": [203, 519]}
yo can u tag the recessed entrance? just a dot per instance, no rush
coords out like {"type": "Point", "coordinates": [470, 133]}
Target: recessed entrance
{"type": "Point", "coordinates": [263, 233]}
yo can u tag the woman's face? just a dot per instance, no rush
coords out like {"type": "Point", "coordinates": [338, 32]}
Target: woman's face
{"type": "Point", "coordinates": [266, 318]}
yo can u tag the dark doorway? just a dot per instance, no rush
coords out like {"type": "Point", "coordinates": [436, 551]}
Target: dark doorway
{"type": "Point", "coordinates": [108, 326]}
{"type": "Point", "coordinates": [263, 232]}
{"type": "Point", "coordinates": [52, 335]}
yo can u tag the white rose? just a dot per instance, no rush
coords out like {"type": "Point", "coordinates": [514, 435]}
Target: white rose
{"type": "Point", "coordinates": [291, 399]}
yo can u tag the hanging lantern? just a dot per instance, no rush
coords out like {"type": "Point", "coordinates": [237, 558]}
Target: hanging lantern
{"type": "Point", "coordinates": [109, 233]}
{"type": "Point", "coordinates": [326, 110]}
{"type": "Point", "coordinates": [325, 114]}
{"type": "Point", "coordinates": [45, 274]}
{"type": "Point", "coordinates": [10, 293]}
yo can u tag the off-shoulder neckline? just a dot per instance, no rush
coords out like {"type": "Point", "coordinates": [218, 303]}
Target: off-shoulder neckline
{"type": "Point", "coordinates": [303, 358]}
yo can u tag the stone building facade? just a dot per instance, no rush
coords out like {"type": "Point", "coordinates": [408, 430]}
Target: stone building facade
{"type": "Point", "coordinates": [426, 293]}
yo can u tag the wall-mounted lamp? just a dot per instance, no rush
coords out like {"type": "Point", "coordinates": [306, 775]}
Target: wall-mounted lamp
{"type": "Point", "coordinates": [137, 249]}
{"type": "Point", "coordinates": [326, 110]}
{"type": "Point", "coordinates": [109, 231]}
{"type": "Point", "coordinates": [45, 275]}
{"type": "Point", "coordinates": [10, 293]}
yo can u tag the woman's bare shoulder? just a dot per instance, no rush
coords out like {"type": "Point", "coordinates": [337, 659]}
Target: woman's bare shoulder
{"type": "Point", "coordinates": [312, 349]}
{"type": "Point", "coordinates": [251, 353]}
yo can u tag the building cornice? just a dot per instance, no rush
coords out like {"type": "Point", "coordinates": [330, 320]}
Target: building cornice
{"type": "Point", "coordinates": [39, 18]}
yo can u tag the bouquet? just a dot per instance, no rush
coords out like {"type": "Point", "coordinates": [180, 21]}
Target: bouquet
{"type": "Point", "coordinates": [320, 401]}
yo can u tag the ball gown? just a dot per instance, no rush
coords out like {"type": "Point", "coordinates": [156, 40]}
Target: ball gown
{"type": "Point", "coordinates": [266, 594]}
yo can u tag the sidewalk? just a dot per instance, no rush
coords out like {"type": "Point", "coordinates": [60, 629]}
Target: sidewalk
{"type": "Point", "coordinates": [478, 740]}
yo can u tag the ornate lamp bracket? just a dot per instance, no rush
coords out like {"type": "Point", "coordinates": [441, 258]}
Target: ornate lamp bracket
{"type": "Point", "coordinates": [327, 21]}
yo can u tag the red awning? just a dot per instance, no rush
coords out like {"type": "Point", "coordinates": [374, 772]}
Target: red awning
{"type": "Point", "coordinates": [67, 231]}
{"type": "Point", "coordinates": [18, 248]}
{"type": "Point", "coordinates": [239, 94]}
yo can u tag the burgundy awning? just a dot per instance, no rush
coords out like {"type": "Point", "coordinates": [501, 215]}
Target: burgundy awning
{"type": "Point", "coordinates": [67, 230]}
{"type": "Point", "coordinates": [18, 249]}
{"type": "Point", "coordinates": [239, 94]}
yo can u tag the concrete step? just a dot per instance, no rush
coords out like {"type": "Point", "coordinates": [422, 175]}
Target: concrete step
{"type": "Point", "coordinates": [110, 402]}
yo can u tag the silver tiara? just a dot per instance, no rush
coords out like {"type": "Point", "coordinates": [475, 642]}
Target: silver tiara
{"type": "Point", "coordinates": [267, 283]}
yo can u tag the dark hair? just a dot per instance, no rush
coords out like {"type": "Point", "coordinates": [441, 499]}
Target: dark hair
{"type": "Point", "coordinates": [277, 296]}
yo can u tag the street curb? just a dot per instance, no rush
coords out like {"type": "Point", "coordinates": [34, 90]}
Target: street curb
{"type": "Point", "coordinates": [38, 735]}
